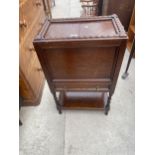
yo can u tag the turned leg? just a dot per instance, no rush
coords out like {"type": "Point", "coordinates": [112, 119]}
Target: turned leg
{"type": "Point", "coordinates": [59, 109]}
{"type": "Point", "coordinates": [20, 104]}
{"type": "Point", "coordinates": [58, 105]}
{"type": "Point", "coordinates": [107, 106]}
{"type": "Point", "coordinates": [129, 60]}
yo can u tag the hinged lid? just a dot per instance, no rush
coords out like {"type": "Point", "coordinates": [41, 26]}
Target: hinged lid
{"type": "Point", "coordinates": [98, 27]}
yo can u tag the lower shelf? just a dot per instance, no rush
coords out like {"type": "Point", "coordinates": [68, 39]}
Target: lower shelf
{"type": "Point", "coordinates": [83, 100]}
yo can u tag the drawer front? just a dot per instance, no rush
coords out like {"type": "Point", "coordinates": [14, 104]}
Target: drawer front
{"type": "Point", "coordinates": [80, 63]}
{"type": "Point", "coordinates": [35, 76]}
{"type": "Point", "coordinates": [29, 11]}
{"type": "Point", "coordinates": [82, 85]}
{"type": "Point", "coordinates": [24, 89]}
{"type": "Point", "coordinates": [27, 52]}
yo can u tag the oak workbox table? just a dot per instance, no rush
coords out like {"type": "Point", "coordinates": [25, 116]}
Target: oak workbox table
{"type": "Point", "coordinates": [81, 59]}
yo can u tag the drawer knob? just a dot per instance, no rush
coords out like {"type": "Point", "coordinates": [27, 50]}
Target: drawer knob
{"type": "Point", "coordinates": [31, 49]}
{"type": "Point", "coordinates": [23, 23]}
{"type": "Point", "coordinates": [39, 69]}
{"type": "Point", "coordinates": [38, 3]}
{"type": "Point", "coordinates": [41, 23]}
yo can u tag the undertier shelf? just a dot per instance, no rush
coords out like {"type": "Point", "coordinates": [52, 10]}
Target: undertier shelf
{"type": "Point", "coordinates": [83, 100]}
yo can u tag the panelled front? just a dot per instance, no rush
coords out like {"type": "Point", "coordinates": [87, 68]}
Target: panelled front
{"type": "Point", "coordinates": [81, 68]}
{"type": "Point", "coordinates": [82, 63]}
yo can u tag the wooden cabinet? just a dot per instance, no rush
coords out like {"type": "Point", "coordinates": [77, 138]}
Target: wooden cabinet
{"type": "Point", "coordinates": [81, 58]}
{"type": "Point", "coordinates": [31, 78]}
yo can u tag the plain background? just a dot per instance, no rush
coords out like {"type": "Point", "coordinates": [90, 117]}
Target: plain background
{"type": "Point", "coordinates": [145, 77]}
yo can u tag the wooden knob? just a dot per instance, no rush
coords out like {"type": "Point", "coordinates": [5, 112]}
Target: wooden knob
{"type": "Point", "coordinates": [31, 49]}
{"type": "Point", "coordinates": [23, 23]}
{"type": "Point", "coordinates": [41, 23]}
{"type": "Point", "coordinates": [38, 3]}
{"type": "Point", "coordinates": [39, 69]}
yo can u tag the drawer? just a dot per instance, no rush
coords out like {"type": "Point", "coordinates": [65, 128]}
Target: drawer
{"type": "Point", "coordinates": [82, 84]}
{"type": "Point", "coordinates": [29, 11]}
{"type": "Point", "coordinates": [35, 76]}
{"type": "Point", "coordinates": [27, 52]}
{"type": "Point", "coordinates": [24, 89]}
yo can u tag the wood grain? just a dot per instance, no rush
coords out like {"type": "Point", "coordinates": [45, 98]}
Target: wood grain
{"type": "Point", "coordinates": [31, 81]}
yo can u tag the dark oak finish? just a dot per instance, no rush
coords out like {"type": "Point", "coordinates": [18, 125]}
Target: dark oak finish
{"type": "Point", "coordinates": [82, 55]}
{"type": "Point", "coordinates": [84, 100]}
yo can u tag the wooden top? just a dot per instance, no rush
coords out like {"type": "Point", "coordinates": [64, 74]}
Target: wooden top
{"type": "Point", "coordinates": [82, 28]}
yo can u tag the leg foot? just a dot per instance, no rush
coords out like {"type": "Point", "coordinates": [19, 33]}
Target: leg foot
{"type": "Point", "coordinates": [124, 76]}
{"type": "Point", "coordinates": [59, 109]}
{"type": "Point", "coordinates": [107, 108]}
{"type": "Point", "coordinates": [20, 123]}
{"type": "Point", "coordinates": [60, 112]}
